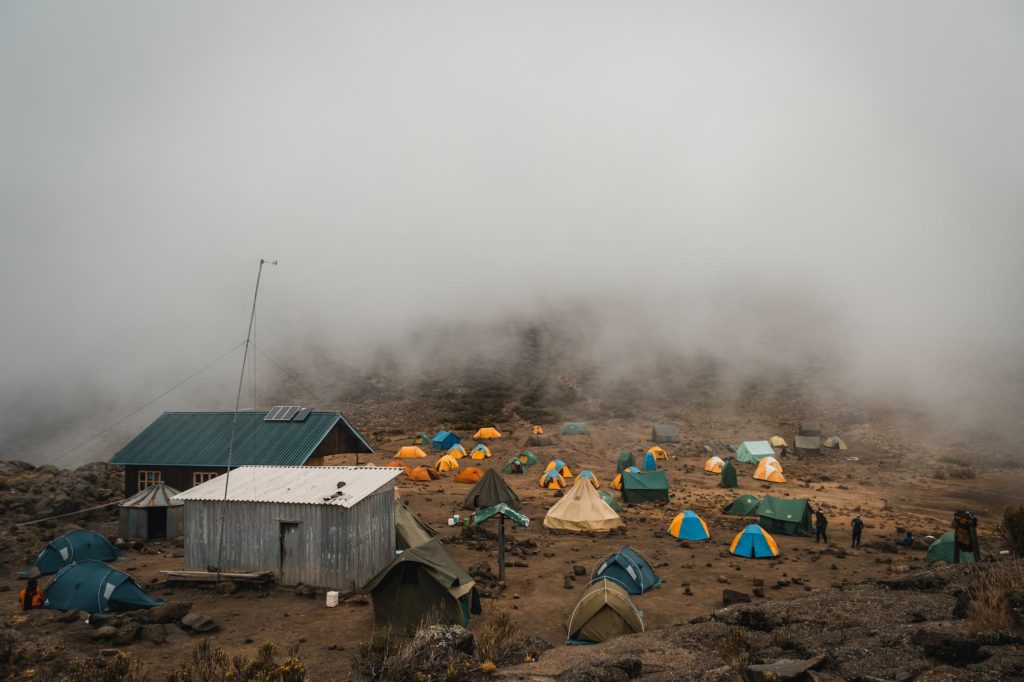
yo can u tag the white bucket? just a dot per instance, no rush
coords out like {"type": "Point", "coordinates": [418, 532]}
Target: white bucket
{"type": "Point", "coordinates": [451, 520]}
{"type": "Point", "coordinates": [332, 599]}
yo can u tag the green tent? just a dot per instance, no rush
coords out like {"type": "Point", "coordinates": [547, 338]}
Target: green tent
{"type": "Point", "coordinates": [785, 517]}
{"type": "Point", "coordinates": [646, 486]}
{"type": "Point", "coordinates": [611, 501]}
{"type": "Point", "coordinates": [942, 550]}
{"type": "Point", "coordinates": [728, 475]}
{"type": "Point", "coordinates": [421, 439]}
{"type": "Point", "coordinates": [744, 505]}
{"type": "Point", "coordinates": [94, 587]}
{"type": "Point", "coordinates": [624, 461]}
{"type": "Point", "coordinates": [422, 581]}
{"type": "Point", "coordinates": [575, 429]}
{"type": "Point", "coordinates": [410, 530]}
{"type": "Point", "coordinates": [520, 463]}
{"type": "Point", "coordinates": [489, 491]}
{"type": "Point", "coordinates": [753, 451]}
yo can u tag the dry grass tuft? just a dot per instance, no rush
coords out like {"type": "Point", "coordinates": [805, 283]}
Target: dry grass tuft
{"type": "Point", "coordinates": [499, 640]}
{"type": "Point", "coordinates": [1012, 529]}
{"type": "Point", "coordinates": [987, 588]}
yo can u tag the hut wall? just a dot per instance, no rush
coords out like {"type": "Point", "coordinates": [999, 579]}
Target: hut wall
{"type": "Point", "coordinates": [337, 548]}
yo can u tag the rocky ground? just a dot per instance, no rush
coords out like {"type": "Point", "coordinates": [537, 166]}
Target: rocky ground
{"type": "Point", "coordinates": [867, 613]}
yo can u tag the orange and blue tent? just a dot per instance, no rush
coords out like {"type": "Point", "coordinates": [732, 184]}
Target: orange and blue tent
{"type": "Point", "coordinates": [552, 480]}
{"type": "Point", "coordinates": [689, 526]}
{"type": "Point", "coordinates": [658, 453]}
{"type": "Point", "coordinates": [589, 476]}
{"type": "Point", "coordinates": [480, 452]}
{"type": "Point", "coordinates": [617, 481]}
{"type": "Point", "coordinates": [561, 467]}
{"type": "Point", "coordinates": [457, 451]}
{"type": "Point", "coordinates": [754, 542]}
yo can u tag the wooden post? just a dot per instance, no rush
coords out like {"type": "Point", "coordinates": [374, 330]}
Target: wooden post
{"type": "Point", "coordinates": [501, 546]}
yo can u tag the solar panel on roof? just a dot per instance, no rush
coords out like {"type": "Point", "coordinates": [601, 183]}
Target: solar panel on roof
{"type": "Point", "coordinates": [281, 413]}
{"type": "Point", "coordinates": [301, 415]}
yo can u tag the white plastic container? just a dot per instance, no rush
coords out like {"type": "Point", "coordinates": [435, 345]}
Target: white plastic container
{"type": "Point", "coordinates": [332, 599]}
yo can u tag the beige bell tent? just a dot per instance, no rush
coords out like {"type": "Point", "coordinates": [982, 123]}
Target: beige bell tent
{"type": "Point", "coordinates": [714, 465]}
{"type": "Point", "coordinates": [777, 442]}
{"type": "Point", "coordinates": [604, 610]}
{"type": "Point", "coordinates": [580, 509]}
{"type": "Point", "coordinates": [769, 469]}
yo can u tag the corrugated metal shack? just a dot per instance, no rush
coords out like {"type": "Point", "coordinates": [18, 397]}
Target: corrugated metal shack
{"type": "Point", "coordinates": [326, 526]}
{"type": "Point", "coordinates": [150, 514]}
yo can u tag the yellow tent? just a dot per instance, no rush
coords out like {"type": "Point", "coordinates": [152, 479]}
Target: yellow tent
{"type": "Point", "coordinates": [537, 430]}
{"type": "Point", "coordinates": [616, 483]}
{"type": "Point", "coordinates": [777, 442]}
{"type": "Point", "coordinates": [561, 467]}
{"type": "Point", "coordinates": [658, 453]}
{"type": "Point", "coordinates": [769, 469]}
{"type": "Point", "coordinates": [714, 465]}
{"type": "Point", "coordinates": [487, 432]}
{"type": "Point", "coordinates": [480, 452]}
{"type": "Point", "coordinates": [582, 509]}
{"type": "Point", "coordinates": [447, 463]}
{"type": "Point", "coordinates": [552, 481]}
{"type": "Point", "coordinates": [409, 452]}
{"type": "Point", "coordinates": [457, 451]}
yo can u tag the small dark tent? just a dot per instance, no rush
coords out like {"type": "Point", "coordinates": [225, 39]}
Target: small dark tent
{"type": "Point", "coordinates": [728, 475]}
{"type": "Point", "coordinates": [444, 441]}
{"type": "Point", "coordinates": [942, 550]}
{"type": "Point", "coordinates": [575, 429]}
{"type": "Point", "coordinates": [807, 445]}
{"type": "Point", "coordinates": [648, 486]}
{"type": "Point", "coordinates": [94, 587]}
{"type": "Point", "coordinates": [629, 569]}
{"type": "Point", "coordinates": [490, 491]}
{"type": "Point", "coordinates": [624, 461]}
{"type": "Point", "coordinates": [744, 505]}
{"type": "Point", "coordinates": [410, 530]}
{"type": "Point", "coordinates": [785, 517]}
{"type": "Point", "coordinates": [539, 440]}
{"type": "Point", "coordinates": [78, 545]}
{"type": "Point", "coordinates": [664, 433]}
{"type": "Point", "coordinates": [421, 581]}
{"type": "Point", "coordinates": [151, 514]}
{"type": "Point", "coordinates": [810, 429]}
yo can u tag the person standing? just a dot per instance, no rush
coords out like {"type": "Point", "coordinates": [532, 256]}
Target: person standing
{"type": "Point", "coordinates": [857, 526]}
{"type": "Point", "coordinates": [821, 525]}
{"type": "Point", "coordinates": [31, 597]}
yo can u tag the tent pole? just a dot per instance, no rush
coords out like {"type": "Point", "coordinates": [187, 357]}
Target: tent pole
{"type": "Point", "coordinates": [501, 546]}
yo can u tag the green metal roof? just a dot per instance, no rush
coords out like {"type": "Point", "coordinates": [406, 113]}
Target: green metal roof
{"type": "Point", "coordinates": [192, 439]}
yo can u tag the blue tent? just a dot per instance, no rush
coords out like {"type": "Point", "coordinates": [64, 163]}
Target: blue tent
{"type": "Point", "coordinates": [628, 568]}
{"type": "Point", "coordinates": [650, 464]}
{"type": "Point", "coordinates": [689, 526]}
{"type": "Point", "coordinates": [78, 545]}
{"type": "Point", "coordinates": [444, 440]}
{"type": "Point", "coordinates": [97, 588]}
{"type": "Point", "coordinates": [754, 542]}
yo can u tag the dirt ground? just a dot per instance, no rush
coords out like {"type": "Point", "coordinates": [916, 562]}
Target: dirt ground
{"type": "Point", "coordinates": [885, 475]}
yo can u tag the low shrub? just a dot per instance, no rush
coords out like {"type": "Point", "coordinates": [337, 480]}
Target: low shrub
{"type": "Point", "coordinates": [987, 589]}
{"type": "Point", "coordinates": [1011, 528]}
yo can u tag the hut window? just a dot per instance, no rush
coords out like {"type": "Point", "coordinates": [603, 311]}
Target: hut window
{"type": "Point", "coordinates": [203, 476]}
{"type": "Point", "coordinates": [148, 478]}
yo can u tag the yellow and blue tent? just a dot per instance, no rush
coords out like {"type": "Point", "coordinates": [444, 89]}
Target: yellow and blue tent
{"type": "Point", "coordinates": [457, 451]}
{"type": "Point", "coordinates": [754, 542]}
{"type": "Point", "coordinates": [561, 467]}
{"type": "Point", "coordinates": [617, 481]}
{"type": "Point", "coordinates": [658, 453]}
{"type": "Point", "coordinates": [552, 480]}
{"type": "Point", "coordinates": [689, 526]}
{"type": "Point", "coordinates": [480, 452]}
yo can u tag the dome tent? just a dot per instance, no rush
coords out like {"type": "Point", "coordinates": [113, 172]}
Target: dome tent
{"type": "Point", "coordinates": [628, 568]}
{"type": "Point", "coordinates": [754, 542]}
{"type": "Point", "coordinates": [689, 526]}
{"type": "Point", "coordinates": [603, 611]}
{"type": "Point", "coordinates": [78, 545]}
{"type": "Point", "coordinates": [94, 587]}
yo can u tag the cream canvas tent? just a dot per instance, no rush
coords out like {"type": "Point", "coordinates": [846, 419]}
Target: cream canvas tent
{"type": "Point", "coordinates": [580, 509]}
{"type": "Point", "coordinates": [769, 469]}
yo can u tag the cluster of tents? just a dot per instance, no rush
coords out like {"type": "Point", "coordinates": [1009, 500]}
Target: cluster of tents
{"type": "Point", "coordinates": [606, 608]}
{"type": "Point", "coordinates": [83, 580]}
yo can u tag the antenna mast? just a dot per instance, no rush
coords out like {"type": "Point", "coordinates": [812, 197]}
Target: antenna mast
{"type": "Point", "coordinates": [238, 400]}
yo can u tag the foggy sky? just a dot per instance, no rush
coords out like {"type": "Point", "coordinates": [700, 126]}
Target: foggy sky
{"type": "Point", "coordinates": [729, 175]}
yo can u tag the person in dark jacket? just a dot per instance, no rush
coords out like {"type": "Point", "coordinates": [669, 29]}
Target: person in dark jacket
{"type": "Point", "coordinates": [857, 526]}
{"type": "Point", "coordinates": [907, 541]}
{"type": "Point", "coordinates": [31, 597]}
{"type": "Point", "coordinates": [821, 525]}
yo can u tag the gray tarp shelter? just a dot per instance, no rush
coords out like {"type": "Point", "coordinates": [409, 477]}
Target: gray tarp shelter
{"type": "Point", "coordinates": [807, 445]}
{"type": "Point", "coordinates": [808, 428]}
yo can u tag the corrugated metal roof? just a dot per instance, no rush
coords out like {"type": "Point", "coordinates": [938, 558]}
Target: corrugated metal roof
{"type": "Point", "coordinates": [156, 495]}
{"type": "Point", "coordinates": [202, 438]}
{"type": "Point", "coordinates": [295, 485]}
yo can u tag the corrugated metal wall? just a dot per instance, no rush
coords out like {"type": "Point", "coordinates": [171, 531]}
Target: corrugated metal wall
{"type": "Point", "coordinates": [339, 548]}
{"type": "Point", "coordinates": [133, 523]}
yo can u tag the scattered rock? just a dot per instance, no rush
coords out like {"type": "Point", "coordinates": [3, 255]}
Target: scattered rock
{"type": "Point", "coordinates": [730, 597]}
{"type": "Point", "coordinates": [197, 622]}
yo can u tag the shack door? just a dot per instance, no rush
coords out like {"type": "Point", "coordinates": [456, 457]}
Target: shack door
{"type": "Point", "coordinates": [289, 570]}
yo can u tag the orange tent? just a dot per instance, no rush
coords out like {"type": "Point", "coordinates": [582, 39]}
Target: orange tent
{"type": "Point", "coordinates": [409, 452]}
{"type": "Point", "coordinates": [470, 475]}
{"type": "Point", "coordinates": [537, 430]}
{"type": "Point", "coordinates": [422, 474]}
{"type": "Point", "coordinates": [487, 432]}
{"type": "Point", "coordinates": [769, 469]}
{"type": "Point", "coordinates": [394, 463]}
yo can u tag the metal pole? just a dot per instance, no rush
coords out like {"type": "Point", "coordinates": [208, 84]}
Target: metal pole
{"type": "Point", "coordinates": [501, 546]}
